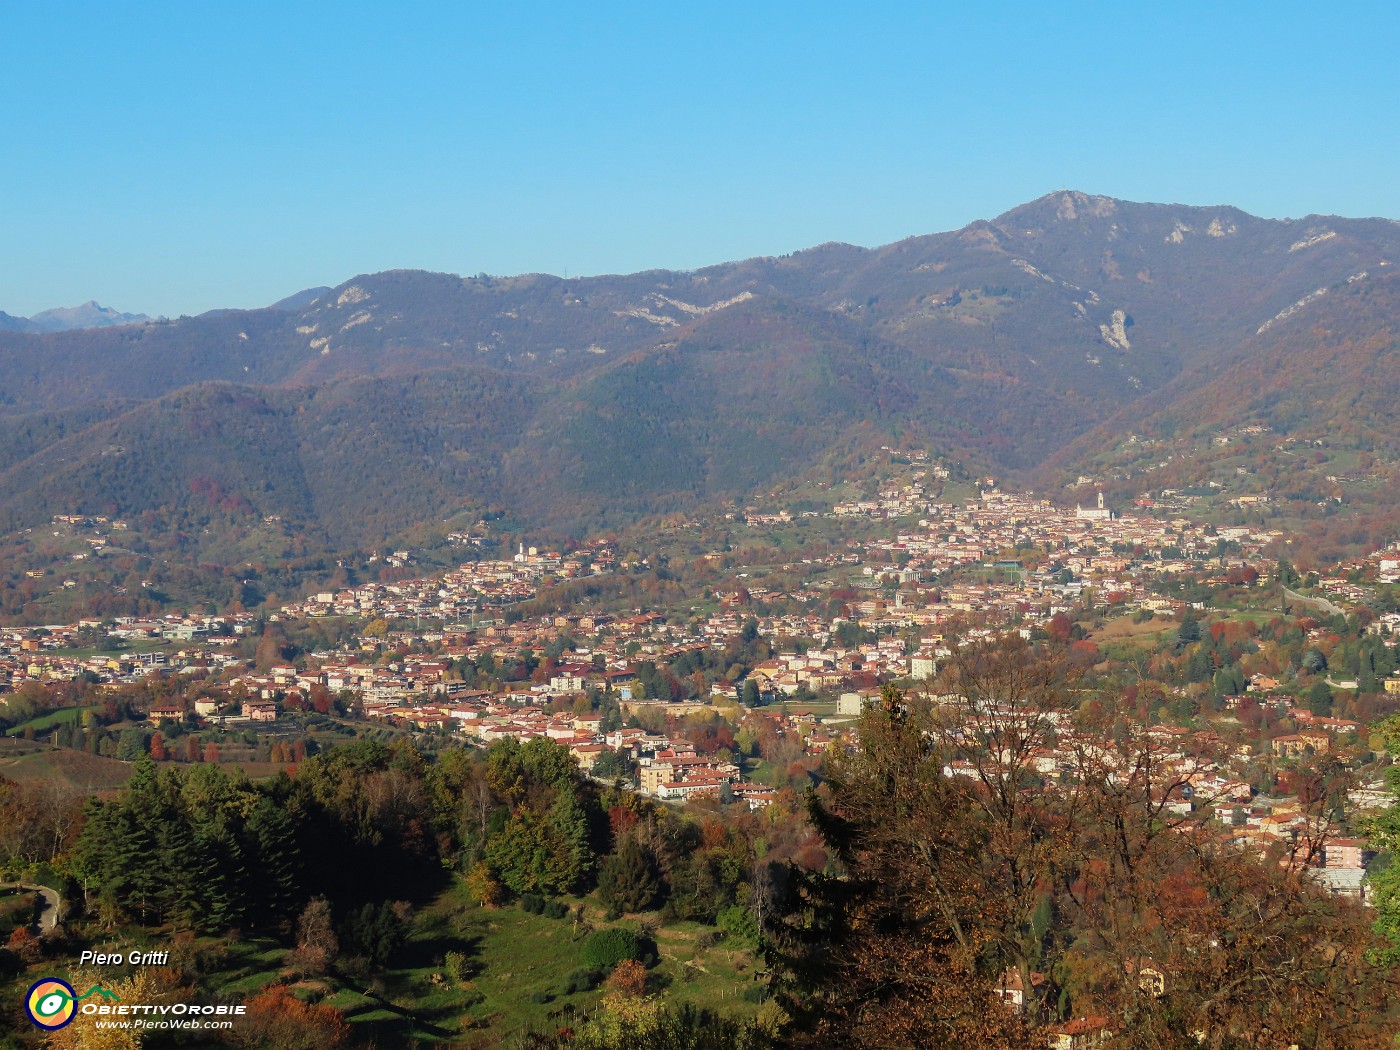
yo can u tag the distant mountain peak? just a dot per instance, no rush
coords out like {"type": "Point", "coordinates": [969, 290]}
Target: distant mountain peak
{"type": "Point", "coordinates": [90, 314]}
{"type": "Point", "coordinates": [1074, 204]}
{"type": "Point", "coordinates": [1064, 206]}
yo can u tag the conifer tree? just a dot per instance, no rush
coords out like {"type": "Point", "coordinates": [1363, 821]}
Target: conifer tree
{"type": "Point", "coordinates": [628, 880]}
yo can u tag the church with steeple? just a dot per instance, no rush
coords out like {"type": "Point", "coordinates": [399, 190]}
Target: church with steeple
{"type": "Point", "coordinates": [1099, 513]}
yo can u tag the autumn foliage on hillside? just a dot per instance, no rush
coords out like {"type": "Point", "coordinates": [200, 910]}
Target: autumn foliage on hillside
{"type": "Point", "coordinates": [277, 1019]}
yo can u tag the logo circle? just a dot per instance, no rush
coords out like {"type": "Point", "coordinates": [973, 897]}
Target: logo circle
{"type": "Point", "coordinates": [51, 1004]}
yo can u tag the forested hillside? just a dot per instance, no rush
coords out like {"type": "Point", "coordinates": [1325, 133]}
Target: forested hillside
{"type": "Point", "coordinates": [1303, 420]}
{"type": "Point", "coordinates": [401, 398]}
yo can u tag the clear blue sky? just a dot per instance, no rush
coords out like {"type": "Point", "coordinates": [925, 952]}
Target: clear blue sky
{"type": "Point", "coordinates": [171, 158]}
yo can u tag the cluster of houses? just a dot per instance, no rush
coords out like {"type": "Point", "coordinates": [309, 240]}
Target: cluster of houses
{"type": "Point", "coordinates": [465, 592]}
{"type": "Point", "coordinates": [46, 654]}
{"type": "Point", "coordinates": [668, 767]}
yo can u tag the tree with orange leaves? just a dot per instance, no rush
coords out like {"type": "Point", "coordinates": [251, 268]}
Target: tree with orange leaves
{"type": "Point", "coordinates": [628, 980]}
{"type": "Point", "coordinates": [278, 1020]}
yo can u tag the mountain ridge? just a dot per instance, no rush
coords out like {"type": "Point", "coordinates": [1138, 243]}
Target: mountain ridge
{"type": "Point", "coordinates": [597, 400]}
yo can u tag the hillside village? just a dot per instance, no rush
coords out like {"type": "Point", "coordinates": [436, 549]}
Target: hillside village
{"type": "Point", "coordinates": [929, 576]}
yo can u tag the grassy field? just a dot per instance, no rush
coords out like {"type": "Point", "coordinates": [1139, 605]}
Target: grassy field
{"type": "Point", "coordinates": [1259, 616]}
{"type": "Point", "coordinates": [50, 719]}
{"type": "Point", "coordinates": [820, 708]}
{"type": "Point", "coordinates": [522, 963]}
{"type": "Point", "coordinates": [959, 492]}
{"type": "Point", "coordinates": [126, 649]}
{"type": "Point", "coordinates": [248, 967]}
{"type": "Point", "coordinates": [75, 768]}
{"type": "Point", "coordinates": [1123, 629]}
{"type": "Point", "coordinates": [708, 975]}
{"type": "Point", "coordinates": [518, 964]}
{"type": "Point", "coordinates": [14, 747]}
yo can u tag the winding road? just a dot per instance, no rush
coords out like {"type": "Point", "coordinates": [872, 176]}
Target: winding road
{"type": "Point", "coordinates": [48, 916]}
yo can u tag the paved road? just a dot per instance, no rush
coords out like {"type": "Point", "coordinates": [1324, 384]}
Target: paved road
{"type": "Point", "coordinates": [1321, 603]}
{"type": "Point", "coordinates": [48, 917]}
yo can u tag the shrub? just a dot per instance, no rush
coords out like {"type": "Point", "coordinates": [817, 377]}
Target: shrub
{"type": "Point", "coordinates": [27, 947]}
{"type": "Point", "coordinates": [582, 981]}
{"type": "Point", "coordinates": [540, 997]}
{"type": "Point", "coordinates": [555, 909]}
{"type": "Point", "coordinates": [606, 948]}
{"type": "Point", "coordinates": [532, 903]}
{"type": "Point", "coordinates": [457, 966]}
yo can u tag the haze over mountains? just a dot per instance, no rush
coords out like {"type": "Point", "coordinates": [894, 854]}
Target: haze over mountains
{"type": "Point", "coordinates": [1030, 342]}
